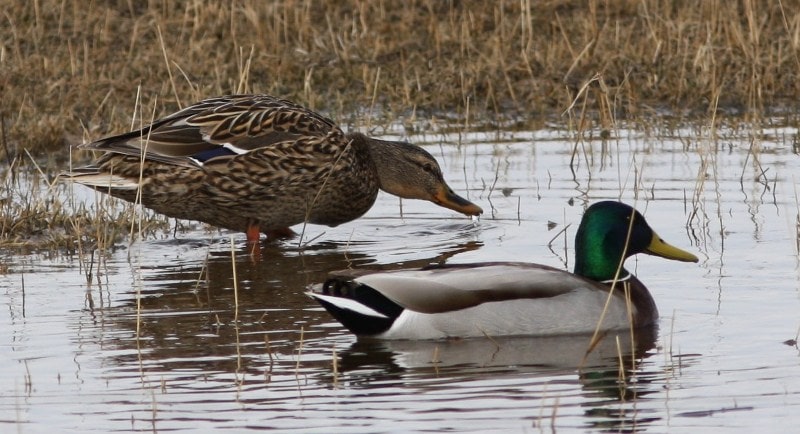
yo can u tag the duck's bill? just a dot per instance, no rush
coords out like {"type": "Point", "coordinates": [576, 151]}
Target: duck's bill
{"type": "Point", "coordinates": [447, 198]}
{"type": "Point", "coordinates": [659, 247]}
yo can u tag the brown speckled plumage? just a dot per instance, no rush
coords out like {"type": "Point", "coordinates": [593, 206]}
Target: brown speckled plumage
{"type": "Point", "coordinates": [245, 161]}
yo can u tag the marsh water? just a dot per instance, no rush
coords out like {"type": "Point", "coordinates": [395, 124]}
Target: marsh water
{"type": "Point", "coordinates": [188, 333]}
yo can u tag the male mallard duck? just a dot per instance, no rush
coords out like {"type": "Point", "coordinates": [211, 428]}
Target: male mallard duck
{"type": "Point", "coordinates": [256, 163]}
{"type": "Point", "coordinates": [509, 298]}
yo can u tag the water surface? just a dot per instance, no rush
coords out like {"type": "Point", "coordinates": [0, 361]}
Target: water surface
{"type": "Point", "coordinates": [162, 338]}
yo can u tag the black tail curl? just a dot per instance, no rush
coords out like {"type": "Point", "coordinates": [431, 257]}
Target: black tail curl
{"type": "Point", "coordinates": [358, 323]}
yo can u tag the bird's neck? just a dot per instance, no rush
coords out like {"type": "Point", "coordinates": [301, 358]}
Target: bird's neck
{"type": "Point", "coordinates": [384, 157]}
{"type": "Point", "coordinates": [380, 151]}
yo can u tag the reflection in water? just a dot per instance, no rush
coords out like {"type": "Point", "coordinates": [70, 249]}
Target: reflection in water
{"type": "Point", "coordinates": [193, 315]}
{"type": "Point", "coordinates": [609, 375]}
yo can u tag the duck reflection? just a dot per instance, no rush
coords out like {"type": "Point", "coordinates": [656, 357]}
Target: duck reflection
{"type": "Point", "coordinates": [609, 375]}
{"type": "Point", "coordinates": [194, 314]}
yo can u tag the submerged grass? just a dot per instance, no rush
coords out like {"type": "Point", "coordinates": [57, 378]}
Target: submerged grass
{"type": "Point", "coordinates": [74, 71]}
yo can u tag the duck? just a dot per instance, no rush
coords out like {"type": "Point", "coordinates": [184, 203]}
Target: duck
{"type": "Point", "coordinates": [260, 164]}
{"type": "Point", "coordinates": [496, 299]}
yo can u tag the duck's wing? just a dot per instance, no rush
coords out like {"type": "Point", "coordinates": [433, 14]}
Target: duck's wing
{"type": "Point", "coordinates": [446, 288]}
{"type": "Point", "coordinates": [218, 129]}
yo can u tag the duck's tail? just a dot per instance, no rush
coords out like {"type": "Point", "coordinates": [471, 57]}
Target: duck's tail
{"type": "Point", "coordinates": [363, 310]}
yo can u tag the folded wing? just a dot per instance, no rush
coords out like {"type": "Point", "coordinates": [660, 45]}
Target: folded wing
{"type": "Point", "coordinates": [217, 129]}
{"type": "Point", "coordinates": [447, 288]}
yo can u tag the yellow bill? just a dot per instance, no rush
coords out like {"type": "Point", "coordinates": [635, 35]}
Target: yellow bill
{"type": "Point", "coordinates": [659, 247]}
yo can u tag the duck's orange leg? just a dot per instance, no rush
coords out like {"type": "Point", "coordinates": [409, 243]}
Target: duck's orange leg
{"type": "Point", "coordinates": [253, 233]}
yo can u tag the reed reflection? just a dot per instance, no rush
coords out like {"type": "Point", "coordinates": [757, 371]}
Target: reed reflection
{"type": "Point", "coordinates": [194, 315]}
{"type": "Point", "coordinates": [610, 376]}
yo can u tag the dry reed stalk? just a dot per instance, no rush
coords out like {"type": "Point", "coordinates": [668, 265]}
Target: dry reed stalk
{"type": "Point", "coordinates": [620, 365]}
{"type": "Point", "coordinates": [554, 414]}
{"type": "Point", "coordinates": [335, 367]}
{"type": "Point", "coordinates": [235, 282]}
{"type": "Point", "coordinates": [153, 411]}
{"type": "Point", "coordinates": [238, 375]}
{"type": "Point", "coordinates": [299, 354]}
{"type": "Point", "coordinates": [796, 219]}
{"type": "Point", "coordinates": [436, 360]}
{"type": "Point", "coordinates": [268, 348]}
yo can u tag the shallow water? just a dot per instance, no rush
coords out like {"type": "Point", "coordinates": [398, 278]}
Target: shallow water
{"type": "Point", "coordinates": [215, 353]}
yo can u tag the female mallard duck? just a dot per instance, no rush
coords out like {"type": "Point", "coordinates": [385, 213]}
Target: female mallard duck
{"type": "Point", "coordinates": [509, 298]}
{"type": "Point", "coordinates": [256, 163]}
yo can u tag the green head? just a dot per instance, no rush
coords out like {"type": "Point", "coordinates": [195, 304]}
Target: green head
{"type": "Point", "coordinates": [607, 237]}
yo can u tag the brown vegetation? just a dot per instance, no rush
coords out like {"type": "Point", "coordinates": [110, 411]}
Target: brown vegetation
{"type": "Point", "coordinates": [72, 70]}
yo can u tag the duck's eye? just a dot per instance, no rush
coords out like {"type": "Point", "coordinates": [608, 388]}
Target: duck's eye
{"type": "Point", "coordinates": [428, 167]}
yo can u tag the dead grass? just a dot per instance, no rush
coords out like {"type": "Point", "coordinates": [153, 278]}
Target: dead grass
{"type": "Point", "coordinates": [38, 214]}
{"type": "Point", "coordinates": [71, 71]}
